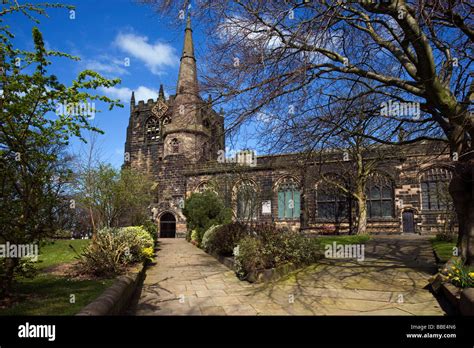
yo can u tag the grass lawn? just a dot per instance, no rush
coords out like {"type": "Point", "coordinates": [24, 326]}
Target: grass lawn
{"type": "Point", "coordinates": [51, 295]}
{"type": "Point", "coordinates": [47, 294]}
{"type": "Point", "coordinates": [58, 252]}
{"type": "Point", "coordinates": [443, 249]}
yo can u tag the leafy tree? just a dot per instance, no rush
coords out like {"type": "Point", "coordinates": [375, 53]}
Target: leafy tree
{"type": "Point", "coordinates": [33, 133]}
{"type": "Point", "coordinates": [113, 197]}
{"type": "Point", "coordinates": [202, 210]}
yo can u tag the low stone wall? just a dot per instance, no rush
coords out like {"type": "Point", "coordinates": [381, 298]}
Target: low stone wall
{"type": "Point", "coordinates": [462, 300]}
{"type": "Point", "coordinates": [264, 275]}
{"type": "Point", "coordinates": [116, 299]}
{"type": "Point", "coordinates": [466, 302]}
{"type": "Point", "coordinates": [225, 260]}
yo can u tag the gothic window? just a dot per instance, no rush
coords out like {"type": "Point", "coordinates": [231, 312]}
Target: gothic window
{"type": "Point", "coordinates": [152, 129]}
{"type": "Point", "coordinates": [331, 201]}
{"type": "Point", "coordinates": [434, 189]}
{"type": "Point", "coordinates": [175, 145]}
{"type": "Point", "coordinates": [246, 201]}
{"type": "Point", "coordinates": [379, 194]}
{"type": "Point", "coordinates": [166, 121]}
{"type": "Point", "coordinates": [202, 187]}
{"type": "Point", "coordinates": [288, 200]}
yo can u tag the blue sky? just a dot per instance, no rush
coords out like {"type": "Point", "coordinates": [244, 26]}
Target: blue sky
{"type": "Point", "coordinates": [105, 35]}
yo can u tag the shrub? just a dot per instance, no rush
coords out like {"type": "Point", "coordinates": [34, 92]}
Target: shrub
{"type": "Point", "coordinates": [202, 210]}
{"type": "Point", "coordinates": [195, 237]}
{"type": "Point", "coordinates": [226, 238]}
{"type": "Point", "coordinates": [114, 249]}
{"type": "Point", "coordinates": [248, 256]}
{"type": "Point", "coordinates": [208, 237]}
{"type": "Point", "coordinates": [106, 257]}
{"type": "Point", "coordinates": [137, 238]}
{"type": "Point", "coordinates": [152, 229]}
{"type": "Point", "coordinates": [268, 247]}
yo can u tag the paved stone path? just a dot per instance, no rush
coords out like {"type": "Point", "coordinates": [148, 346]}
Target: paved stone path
{"type": "Point", "coordinates": [390, 281]}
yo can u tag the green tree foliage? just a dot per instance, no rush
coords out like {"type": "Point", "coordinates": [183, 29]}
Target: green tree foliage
{"type": "Point", "coordinates": [113, 197]}
{"type": "Point", "coordinates": [202, 210]}
{"type": "Point", "coordinates": [33, 133]}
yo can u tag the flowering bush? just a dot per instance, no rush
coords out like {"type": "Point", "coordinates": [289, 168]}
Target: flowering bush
{"type": "Point", "coordinates": [459, 275]}
{"type": "Point", "coordinates": [137, 238]}
{"type": "Point", "coordinates": [208, 237]}
{"type": "Point", "coordinates": [148, 253]}
{"type": "Point", "coordinates": [114, 249]}
{"type": "Point", "coordinates": [195, 238]}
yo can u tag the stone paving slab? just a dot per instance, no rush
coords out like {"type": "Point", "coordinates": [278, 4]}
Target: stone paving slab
{"type": "Point", "coordinates": [187, 281]}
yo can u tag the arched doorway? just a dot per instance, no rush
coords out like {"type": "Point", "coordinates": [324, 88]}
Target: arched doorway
{"type": "Point", "coordinates": [167, 226]}
{"type": "Point", "coordinates": [408, 221]}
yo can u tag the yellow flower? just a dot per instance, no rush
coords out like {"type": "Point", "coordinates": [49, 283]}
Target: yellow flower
{"type": "Point", "coordinates": [456, 278]}
{"type": "Point", "coordinates": [452, 267]}
{"type": "Point", "coordinates": [450, 275]}
{"type": "Point", "coordinates": [471, 274]}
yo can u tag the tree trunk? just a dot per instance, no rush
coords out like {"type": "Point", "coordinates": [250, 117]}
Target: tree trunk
{"type": "Point", "coordinates": [94, 232]}
{"type": "Point", "coordinates": [461, 189]}
{"type": "Point", "coordinates": [361, 216]}
{"type": "Point", "coordinates": [6, 286]}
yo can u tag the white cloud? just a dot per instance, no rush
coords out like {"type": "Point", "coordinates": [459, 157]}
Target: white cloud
{"type": "Point", "coordinates": [155, 56]}
{"type": "Point", "coordinates": [107, 65]}
{"type": "Point", "coordinates": [125, 93]}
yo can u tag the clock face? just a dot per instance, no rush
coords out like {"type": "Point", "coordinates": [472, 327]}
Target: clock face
{"type": "Point", "coordinates": [159, 109]}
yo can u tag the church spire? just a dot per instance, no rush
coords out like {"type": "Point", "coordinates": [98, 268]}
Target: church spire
{"type": "Point", "coordinates": [132, 101]}
{"type": "Point", "coordinates": [187, 79]}
{"type": "Point", "coordinates": [161, 93]}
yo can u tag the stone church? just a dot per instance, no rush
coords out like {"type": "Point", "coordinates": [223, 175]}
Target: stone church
{"type": "Point", "coordinates": [179, 142]}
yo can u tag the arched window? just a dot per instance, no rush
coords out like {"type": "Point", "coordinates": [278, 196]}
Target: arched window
{"type": "Point", "coordinates": [434, 189]}
{"type": "Point", "coordinates": [152, 129]}
{"type": "Point", "coordinates": [166, 121]}
{"type": "Point", "coordinates": [246, 201]}
{"type": "Point", "coordinates": [331, 202]}
{"type": "Point", "coordinates": [288, 200]}
{"type": "Point", "coordinates": [175, 145]}
{"type": "Point", "coordinates": [379, 194]}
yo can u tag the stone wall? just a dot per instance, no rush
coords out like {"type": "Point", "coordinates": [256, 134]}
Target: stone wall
{"type": "Point", "coordinates": [403, 170]}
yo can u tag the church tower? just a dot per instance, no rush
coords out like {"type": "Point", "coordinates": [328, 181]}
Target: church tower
{"type": "Point", "coordinates": [191, 130]}
{"type": "Point", "coordinates": [167, 135]}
